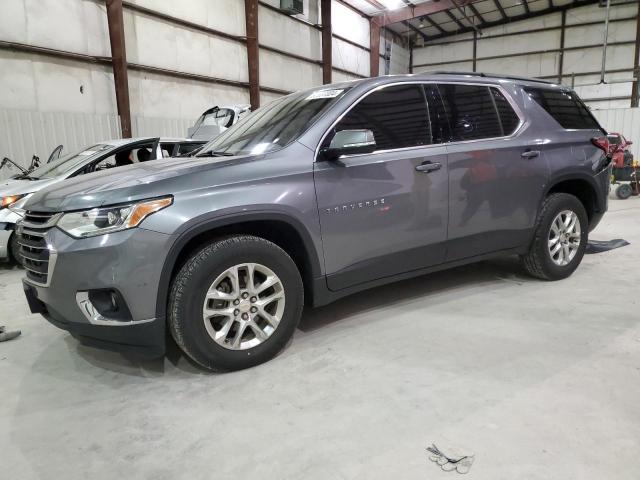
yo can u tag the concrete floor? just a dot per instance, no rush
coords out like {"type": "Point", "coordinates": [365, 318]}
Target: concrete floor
{"type": "Point", "coordinates": [541, 380]}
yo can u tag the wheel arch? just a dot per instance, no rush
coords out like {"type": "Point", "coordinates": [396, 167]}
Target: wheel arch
{"type": "Point", "coordinates": [583, 187]}
{"type": "Point", "coordinates": [289, 234]}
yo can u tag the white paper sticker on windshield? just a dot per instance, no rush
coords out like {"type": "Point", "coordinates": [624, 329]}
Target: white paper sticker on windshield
{"type": "Point", "coordinates": [88, 152]}
{"type": "Point", "coordinates": [324, 94]}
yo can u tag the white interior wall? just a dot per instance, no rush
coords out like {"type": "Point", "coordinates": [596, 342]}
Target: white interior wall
{"type": "Point", "coordinates": [457, 56]}
{"type": "Point", "coordinates": [84, 93]}
{"type": "Point", "coordinates": [625, 121]}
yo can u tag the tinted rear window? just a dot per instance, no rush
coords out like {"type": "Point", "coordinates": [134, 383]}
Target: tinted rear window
{"type": "Point", "coordinates": [508, 117]}
{"type": "Point", "coordinates": [565, 107]}
{"type": "Point", "coordinates": [471, 110]}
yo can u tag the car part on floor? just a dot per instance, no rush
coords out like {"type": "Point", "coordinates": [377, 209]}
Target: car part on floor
{"type": "Point", "coordinates": [451, 458]}
{"type": "Point", "coordinates": [599, 246]}
{"type": "Point", "coordinates": [6, 336]}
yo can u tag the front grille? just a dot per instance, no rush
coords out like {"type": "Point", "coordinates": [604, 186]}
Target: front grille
{"type": "Point", "coordinates": [35, 253]}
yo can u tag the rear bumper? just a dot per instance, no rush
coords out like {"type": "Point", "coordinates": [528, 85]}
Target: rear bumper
{"type": "Point", "coordinates": [603, 182]}
{"type": "Point", "coordinates": [122, 262]}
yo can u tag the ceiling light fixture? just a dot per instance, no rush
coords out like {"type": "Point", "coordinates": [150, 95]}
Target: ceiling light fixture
{"type": "Point", "coordinates": [392, 4]}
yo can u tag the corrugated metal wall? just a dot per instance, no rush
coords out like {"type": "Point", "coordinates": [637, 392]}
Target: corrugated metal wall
{"type": "Point", "coordinates": [24, 133]}
{"type": "Point", "coordinates": [625, 121]}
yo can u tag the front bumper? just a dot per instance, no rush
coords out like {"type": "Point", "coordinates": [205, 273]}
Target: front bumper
{"type": "Point", "coordinates": [124, 262]}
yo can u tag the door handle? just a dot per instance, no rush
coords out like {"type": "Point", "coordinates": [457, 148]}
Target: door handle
{"type": "Point", "coordinates": [428, 167]}
{"type": "Point", "coordinates": [530, 154]}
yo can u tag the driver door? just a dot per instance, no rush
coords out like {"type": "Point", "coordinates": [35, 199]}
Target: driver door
{"type": "Point", "coordinates": [384, 213]}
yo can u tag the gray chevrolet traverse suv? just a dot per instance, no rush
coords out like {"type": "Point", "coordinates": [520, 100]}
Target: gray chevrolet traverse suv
{"type": "Point", "coordinates": [315, 196]}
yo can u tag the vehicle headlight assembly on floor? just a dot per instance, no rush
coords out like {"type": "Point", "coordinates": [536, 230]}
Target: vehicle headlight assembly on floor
{"type": "Point", "coordinates": [99, 221]}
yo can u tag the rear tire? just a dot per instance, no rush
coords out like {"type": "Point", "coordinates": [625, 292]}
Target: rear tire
{"type": "Point", "coordinates": [557, 250]}
{"type": "Point", "coordinates": [14, 250]}
{"type": "Point", "coordinates": [222, 312]}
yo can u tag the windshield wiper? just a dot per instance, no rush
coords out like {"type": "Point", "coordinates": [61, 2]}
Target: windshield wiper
{"type": "Point", "coordinates": [26, 176]}
{"type": "Point", "coordinates": [215, 153]}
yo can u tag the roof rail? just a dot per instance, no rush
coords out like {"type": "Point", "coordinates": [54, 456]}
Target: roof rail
{"type": "Point", "coordinates": [492, 75]}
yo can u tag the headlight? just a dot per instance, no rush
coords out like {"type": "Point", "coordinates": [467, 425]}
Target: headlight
{"type": "Point", "coordinates": [98, 221]}
{"type": "Point", "coordinates": [18, 205]}
{"type": "Point", "coordinates": [11, 199]}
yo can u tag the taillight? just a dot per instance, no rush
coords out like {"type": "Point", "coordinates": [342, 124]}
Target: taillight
{"type": "Point", "coordinates": [603, 144]}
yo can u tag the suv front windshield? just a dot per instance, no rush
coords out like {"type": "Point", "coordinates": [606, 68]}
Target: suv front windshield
{"type": "Point", "coordinates": [67, 163]}
{"type": "Point", "coordinates": [275, 125]}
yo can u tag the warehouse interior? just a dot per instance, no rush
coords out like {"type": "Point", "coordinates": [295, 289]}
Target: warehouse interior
{"type": "Point", "coordinates": [527, 378]}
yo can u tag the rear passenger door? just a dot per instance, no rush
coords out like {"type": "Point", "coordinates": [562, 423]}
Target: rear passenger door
{"type": "Point", "coordinates": [496, 172]}
{"type": "Point", "coordinates": [384, 213]}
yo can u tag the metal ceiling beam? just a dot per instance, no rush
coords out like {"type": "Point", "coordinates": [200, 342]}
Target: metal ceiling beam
{"type": "Point", "coordinates": [477, 14]}
{"type": "Point", "coordinates": [524, 16]}
{"type": "Point", "coordinates": [406, 23]}
{"type": "Point", "coordinates": [501, 9]}
{"type": "Point", "coordinates": [420, 10]}
{"type": "Point", "coordinates": [460, 25]}
{"type": "Point", "coordinates": [434, 24]}
{"type": "Point", "coordinates": [417, 30]}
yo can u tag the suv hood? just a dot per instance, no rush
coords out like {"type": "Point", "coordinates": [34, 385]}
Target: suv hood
{"type": "Point", "coordinates": [126, 184]}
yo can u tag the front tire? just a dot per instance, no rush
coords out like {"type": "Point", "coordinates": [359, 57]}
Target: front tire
{"type": "Point", "coordinates": [560, 238]}
{"type": "Point", "coordinates": [235, 303]}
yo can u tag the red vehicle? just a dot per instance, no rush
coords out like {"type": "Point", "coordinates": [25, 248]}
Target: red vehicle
{"type": "Point", "coordinates": [622, 157]}
{"type": "Point", "coordinates": [624, 168]}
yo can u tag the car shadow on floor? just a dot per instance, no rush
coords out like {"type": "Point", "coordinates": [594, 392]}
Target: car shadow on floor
{"type": "Point", "coordinates": [482, 274]}
{"type": "Point", "coordinates": [488, 274]}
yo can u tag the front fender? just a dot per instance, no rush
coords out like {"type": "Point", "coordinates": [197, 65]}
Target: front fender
{"type": "Point", "coordinates": [215, 220]}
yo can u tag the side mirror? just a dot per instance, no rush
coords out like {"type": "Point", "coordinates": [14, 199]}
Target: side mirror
{"type": "Point", "coordinates": [349, 142]}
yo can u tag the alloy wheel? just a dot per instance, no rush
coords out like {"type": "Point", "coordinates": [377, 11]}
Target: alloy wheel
{"type": "Point", "coordinates": [243, 306]}
{"type": "Point", "coordinates": [564, 237]}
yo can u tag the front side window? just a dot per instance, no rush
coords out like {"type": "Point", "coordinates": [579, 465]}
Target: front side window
{"type": "Point", "coordinates": [565, 107]}
{"type": "Point", "coordinates": [274, 125]}
{"type": "Point", "coordinates": [396, 115]}
{"type": "Point", "coordinates": [472, 112]}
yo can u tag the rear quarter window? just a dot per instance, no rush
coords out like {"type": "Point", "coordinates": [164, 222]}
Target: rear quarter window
{"type": "Point", "coordinates": [565, 107]}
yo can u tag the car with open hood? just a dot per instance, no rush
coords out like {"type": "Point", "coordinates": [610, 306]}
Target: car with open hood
{"type": "Point", "coordinates": [106, 155]}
